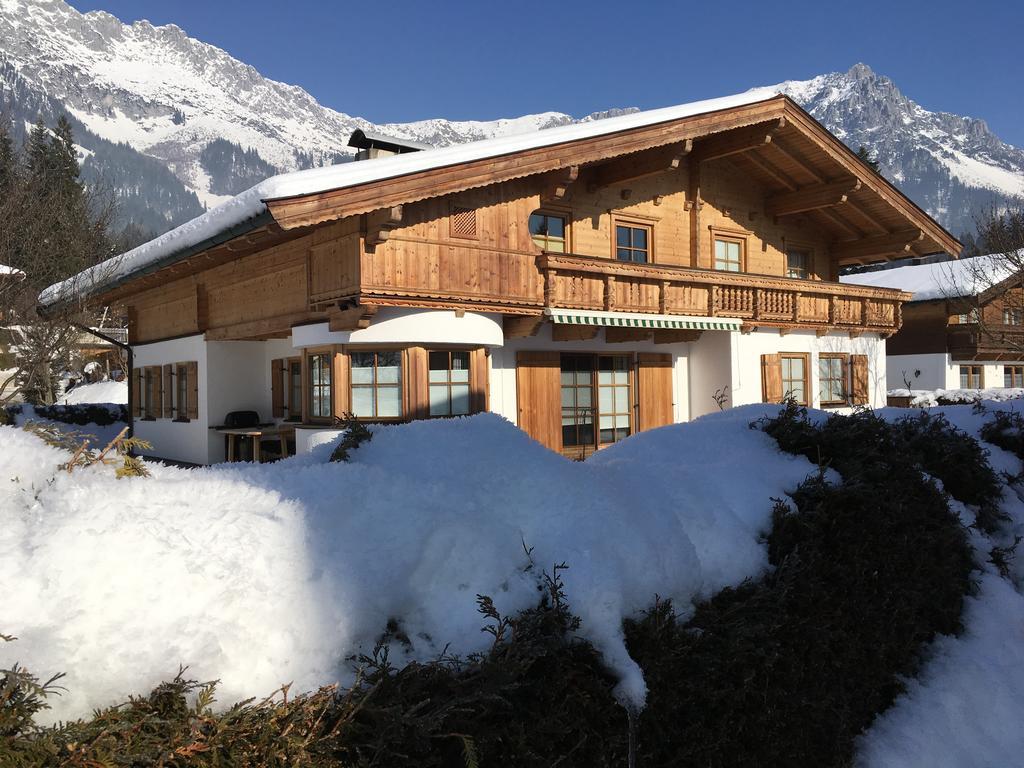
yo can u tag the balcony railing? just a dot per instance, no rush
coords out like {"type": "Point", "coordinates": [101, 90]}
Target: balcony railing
{"type": "Point", "coordinates": [991, 341]}
{"type": "Point", "coordinates": [582, 282]}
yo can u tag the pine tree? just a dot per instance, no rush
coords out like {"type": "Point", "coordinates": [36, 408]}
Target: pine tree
{"type": "Point", "coordinates": [8, 167]}
{"type": "Point", "coordinates": [869, 159]}
{"type": "Point", "coordinates": [37, 153]}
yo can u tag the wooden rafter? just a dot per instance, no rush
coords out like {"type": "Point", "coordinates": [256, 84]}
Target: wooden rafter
{"type": "Point", "coordinates": [740, 140]}
{"type": "Point", "coordinates": [351, 318]}
{"type": "Point", "coordinates": [559, 181]}
{"type": "Point", "coordinates": [871, 224]}
{"type": "Point", "coordinates": [562, 332]}
{"type": "Point", "coordinates": [522, 326]}
{"type": "Point", "coordinates": [811, 198]}
{"type": "Point", "coordinates": [795, 159]}
{"type": "Point", "coordinates": [872, 248]}
{"type": "Point", "coordinates": [834, 216]}
{"type": "Point", "coordinates": [640, 166]}
{"type": "Point", "coordinates": [383, 230]}
{"type": "Point", "coordinates": [769, 169]}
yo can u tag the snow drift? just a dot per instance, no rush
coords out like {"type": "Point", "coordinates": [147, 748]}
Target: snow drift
{"type": "Point", "coordinates": [263, 574]}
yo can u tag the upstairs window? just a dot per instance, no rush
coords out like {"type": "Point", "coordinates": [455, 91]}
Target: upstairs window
{"type": "Point", "coordinates": [972, 316]}
{"type": "Point", "coordinates": [1013, 317]}
{"type": "Point", "coordinates": [729, 254]}
{"type": "Point", "coordinates": [632, 243]}
{"type": "Point", "coordinates": [294, 389]}
{"type": "Point", "coordinates": [548, 232]}
{"type": "Point", "coordinates": [798, 263]}
{"type": "Point", "coordinates": [377, 384]}
{"type": "Point", "coordinates": [449, 383]}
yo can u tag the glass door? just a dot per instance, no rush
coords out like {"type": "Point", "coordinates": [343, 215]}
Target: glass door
{"type": "Point", "coordinates": [613, 398]}
{"type": "Point", "coordinates": [578, 405]}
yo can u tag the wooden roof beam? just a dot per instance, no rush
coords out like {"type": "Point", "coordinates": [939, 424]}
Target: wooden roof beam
{"type": "Point", "coordinates": [811, 198]}
{"type": "Point", "coordinates": [633, 167]}
{"type": "Point", "coordinates": [853, 210]}
{"type": "Point", "coordinates": [770, 170]}
{"type": "Point", "coordinates": [351, 318]}
{"type": "Point", "coordinates": [870, 248]}
{"type": "Point", "coordinates": [800, 163]}
{"type": "Point", "coordinates": [559, 182]}
{"type": "Point", "coordinates": [833, 216]}
{"type": "Point", "coordinates": [737, 141]}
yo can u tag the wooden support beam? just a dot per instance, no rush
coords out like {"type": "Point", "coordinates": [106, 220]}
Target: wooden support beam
{"type": "Point", "coordinates": [737, 141]}
{"type": "Point", "coordinates": [811, 198]}
{"type": "Point", "coordinates": [351, 319]}
{"type": "Point", "coordinates": [832, 215]}
{"type": "Point", "coordinates": [558, 182]}
{"type": "Point", "coordinates": [870, 248]}
{"type": "Point", "coordinates": [381, 233]}
{"type": "Point", "coordinates": [256, 329]}
{"type": "Point", "coordinates": [853, 210]}
{"type": "Point", "coordinates": [795, 159]}
{"type": "Point", "coordinates": [638, 166]}
{"type": "Point", "coordinates": [770, 170]}
{"type": "Point", "coordinates": [563, 332]}
{"type": "Point", "coordinates": [521, 326]}
{"type": "Point", "coordinates": [675, 335]}
{"type": "Point", "coordinates": [616, 335]}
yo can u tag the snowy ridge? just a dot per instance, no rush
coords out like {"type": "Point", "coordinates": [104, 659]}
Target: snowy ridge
{"type": "Point", "coordinates": [169, 96]}
{"type": "Point", "coordinates": [251, 203]}
{"type": "Point", "coordinates": [939, 280]}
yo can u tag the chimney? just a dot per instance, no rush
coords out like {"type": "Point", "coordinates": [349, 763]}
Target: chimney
{"type": "Point", "coordinates": [372, 145]}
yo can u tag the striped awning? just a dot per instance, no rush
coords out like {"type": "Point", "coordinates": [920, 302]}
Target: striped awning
{"type": "Point", "coordinates": [640, 320]}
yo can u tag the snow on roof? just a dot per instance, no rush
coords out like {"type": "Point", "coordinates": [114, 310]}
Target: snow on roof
{"type": "Point", "coordinates": [252, 203]}
{"type": "Point", "coordinates": [939, 280]}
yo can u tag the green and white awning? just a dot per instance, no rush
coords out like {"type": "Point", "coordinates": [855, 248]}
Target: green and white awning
{"type": "Point", "coordinates": [640, 320]}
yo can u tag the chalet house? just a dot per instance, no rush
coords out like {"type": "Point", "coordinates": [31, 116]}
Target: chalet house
{"type": "Point", "coordinates": [962, 329]}
{"type": "Point", "coordinates": [586, 282]}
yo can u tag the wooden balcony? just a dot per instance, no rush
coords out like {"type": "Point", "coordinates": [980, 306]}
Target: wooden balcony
{"type": "Point", "coordinates": [581, 282]}
{"type": "Point", "coordinates": [991, 342]}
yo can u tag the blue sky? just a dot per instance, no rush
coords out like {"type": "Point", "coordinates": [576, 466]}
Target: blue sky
{"type": "Point", "coordinates": [399, 61]}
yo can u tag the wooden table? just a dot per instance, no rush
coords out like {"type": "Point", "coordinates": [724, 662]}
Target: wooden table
{"type": "Point", "coordinates": [257, 434]}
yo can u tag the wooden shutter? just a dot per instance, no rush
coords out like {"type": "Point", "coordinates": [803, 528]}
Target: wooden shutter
{"type": "Point", "coordinates": [192, 406]}
{"type": "Point", "coordinates": [859, 379]}
{"type": "Point", "coordinates": [168, 391]}
{"type": "Point", "coordinates": [771, 378]}
{"type": "Point", "coordinates": [341, 391]}
{"type": "Point", "coordinates": [277, 388]}
{"type": "Point", "coordinates": [137, 393]}
{"type": "Point", "coordinates": [417, 394]}
{"type": "Point", "coordinates": [654, 396]}
{"type": "Point", "coordinates": [479, 378]}
{"type": "Point", "coordinates": [156, 394]}
{"type": "Point", "coordinates": [538, 391]}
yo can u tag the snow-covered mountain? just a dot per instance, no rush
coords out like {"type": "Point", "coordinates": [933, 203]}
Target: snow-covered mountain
{"type": "Point", "coordinates": [219, 126]}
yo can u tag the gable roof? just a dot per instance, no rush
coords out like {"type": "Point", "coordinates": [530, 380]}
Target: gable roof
{"type": "Point", "coordinates": [940, 280]}
{"type": "Point", "coordinates": [332, 192]}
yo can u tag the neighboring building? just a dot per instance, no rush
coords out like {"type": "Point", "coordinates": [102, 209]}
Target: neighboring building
{"type": "Point", "coordinates": [586, 282]}
{"type": "Point", "coordinates": [959, 331]}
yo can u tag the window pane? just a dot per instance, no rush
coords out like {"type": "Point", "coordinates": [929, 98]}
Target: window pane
{"type": "Point", "coordinates": [362, 367]}
{"type": "Point", "coordinates": [606, 400]}
{"type": "Point", "coordinates": [389, 374]}
{"type": "Point", "coordinates": [556, 246]}
{"type": "Point", "coordinates": [1007, 377]}
{"type": "Point", "coordinates": [622, 236]}
{"type": "Point", "coordinates": [537, 224]}
{"type": "Point", "coordinates": [607, 436]}
{"type": "Point", "coordinates": [607, 422]}
{"type": "Point", "coordinates": [622, 421]}
{"type": "Point", "coordinates": [438, 361]}
{"type": "Point", "coordinates": [568, 397]}
{"type": "Point", "coordinates": [624, 254]}
{"type": "Point", "coordinates": [720, 250]}
{"type": "Point", "coordinates": [568, 377]}
{"type": "Point", "coordinates": [640, 238]}
{"type": "Point", "coordinates": [622, 400]}
{"type": "Point", "coordinates": [605, 376]}
{"type": "Point", "coordinates": [389, 402]}
{"type": "Point", "coordinates": [460, 366]}
{"type": "Point", "coordinates": [460, 399]}
{"type": "Point", "coordinates": [556, 227]}
{"type": "Point", "coordinates": [362, 401]}
{"type": "Point", "coordinates": [583, 397]}
{"type": "Point", "coordinates": [439, 400]}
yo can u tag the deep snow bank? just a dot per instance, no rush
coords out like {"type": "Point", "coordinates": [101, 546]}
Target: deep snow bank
{"type": "Point", "coordinates": [966, 706]}
{"type": "Point", "coordinates": [262, 574]}
{"type": "Point", "coordinates": [115, 392]}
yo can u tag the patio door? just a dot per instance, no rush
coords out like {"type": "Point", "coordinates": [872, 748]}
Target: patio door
{"type": "Point", "coordinates": [596, 398]}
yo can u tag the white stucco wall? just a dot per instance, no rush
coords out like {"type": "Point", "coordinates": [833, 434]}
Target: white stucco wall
{"type": "Point", "coordinates": [180, 441]}
{"type": "Point", "coordinates": [410, 326]}
{"type": "Point", "coordinates": [937, 371]}
{"type": "Point", "coordinates": [711, 366]}
{"type": "Point", "coordinates": [748, 349]}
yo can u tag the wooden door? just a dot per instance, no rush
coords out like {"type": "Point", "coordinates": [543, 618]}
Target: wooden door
{"type": "Point", "coordinates": [537, 393]}
{"type": "Point", "coordinates": [654, 390]}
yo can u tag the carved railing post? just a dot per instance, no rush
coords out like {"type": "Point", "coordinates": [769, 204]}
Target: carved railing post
{"type": "Point", "coordinates": [549, 287]}
{"type": "Point", "coordinates": [796, 306]}
{"type": "Point", "coordinates": [756, 308]}
{"type": "Point", "coordinates": [663, 297]}
{"type": "Point", "coordinates": [609, 293]}
{"type": "Point", "coordinates": [713, 300]}
{"type": "Point", "coordinates": [832, 309]}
